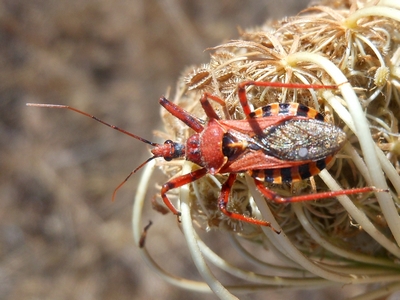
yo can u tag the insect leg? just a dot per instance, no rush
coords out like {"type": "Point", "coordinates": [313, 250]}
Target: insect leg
{"type": "Point", "coordinates": [223, 202]}
{"type": "Point", "coordinates": [310, 197]}
{"type": "Point", "coordinates": [178, 182]}
{"type": "Point", "coordinates": [208, 109]}
{"type": "Point", "coordinates": [142, 240]}
{"type": "Point", "coordinates": [181, 114]}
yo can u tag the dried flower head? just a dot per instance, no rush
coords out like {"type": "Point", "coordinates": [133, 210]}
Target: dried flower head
{"type": "Point", "coordinates": [357, 48]}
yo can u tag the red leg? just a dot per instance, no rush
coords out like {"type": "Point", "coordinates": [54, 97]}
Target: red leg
{"type": "Point", "coordinates": [208, 109]}
{"type": "Point", "coordinates": [178, 182]}
{"type": "Point", "coordinates": [310, 197]}
{"type": "Point", "coordinates": [223, 202]}
{"type": "Point", "coordinates": [181, 114]}
{"type": "Point", "coordinates": [242, 90]}
{"type": "Point", "coordinates": [142, 240]}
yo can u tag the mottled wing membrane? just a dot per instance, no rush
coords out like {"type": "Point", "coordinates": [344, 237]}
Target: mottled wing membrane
{"type": "Point", "coordinates": [302, 140]}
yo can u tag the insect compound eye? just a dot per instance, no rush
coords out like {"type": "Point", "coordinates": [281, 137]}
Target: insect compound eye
{"type": "Point", "coordinates": [173, 150]}
{"type": "Point", "coordinates": [170, 156]}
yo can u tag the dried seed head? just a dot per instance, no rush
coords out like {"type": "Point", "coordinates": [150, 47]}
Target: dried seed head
{"type": "Point", "coordinates": [360, 44]}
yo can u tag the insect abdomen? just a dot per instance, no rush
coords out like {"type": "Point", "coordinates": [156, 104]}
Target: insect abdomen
{"type": "Point", "coordinates": [290, 174]}
{"type": "Point", "coordinates": [286, 109]}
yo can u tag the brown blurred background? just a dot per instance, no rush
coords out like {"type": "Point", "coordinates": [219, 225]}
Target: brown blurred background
{"type": "Point", "coordinates": [60, 235]}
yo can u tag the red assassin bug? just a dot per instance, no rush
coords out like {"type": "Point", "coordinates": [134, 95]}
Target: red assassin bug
{"type": "Point", "coordinates": [277, 143]}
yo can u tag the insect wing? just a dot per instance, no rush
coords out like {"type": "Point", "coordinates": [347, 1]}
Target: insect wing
{"type": "Point", "coordinates": [256, 160]}
{"type": "Point", "coordinates": [249, 153]}
{"type": "Point", "coordinates": [284, 142]}
{"type": "Point", "coordinates": [302, 140]}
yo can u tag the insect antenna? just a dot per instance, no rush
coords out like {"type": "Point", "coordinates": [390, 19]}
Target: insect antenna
{"type": "Point", "coordinates": [130, 174]}
{"type": "Point", "coordinates": [94, 118]}
{"type": "Point", "coordinates": [111, 126]}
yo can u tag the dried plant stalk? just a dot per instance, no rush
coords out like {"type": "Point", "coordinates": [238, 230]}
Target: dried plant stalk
{"type": "Point", "coordinates": [357, 48]}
